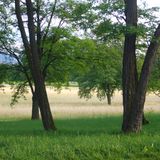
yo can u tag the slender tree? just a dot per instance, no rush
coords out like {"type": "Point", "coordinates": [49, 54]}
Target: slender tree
{"type": "Point", "coordinates": [103, 73]}
{"type": "Point", "coordinates": [33, 57]}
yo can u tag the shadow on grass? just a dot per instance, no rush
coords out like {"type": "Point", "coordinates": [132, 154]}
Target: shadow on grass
{"type": "Point", "coordinates": [68, 127]}
{"type": "Point", "coordinates": [20, 127]}
{"type": "Point", "coordinates": [74, 127]}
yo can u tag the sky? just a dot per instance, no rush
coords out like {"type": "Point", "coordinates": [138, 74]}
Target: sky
{"type": "Point", "coordinates": [154, 3]}
{"type": "Point", "coordinates": [151, 3]}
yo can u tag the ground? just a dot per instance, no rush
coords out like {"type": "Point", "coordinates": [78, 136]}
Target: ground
{"type": "Point", "coordinates": [86, 130]}
{"type": "Point", "coordinates": [68, 104]}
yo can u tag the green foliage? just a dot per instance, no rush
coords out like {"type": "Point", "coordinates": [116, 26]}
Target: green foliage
{"type": "Point", "coordinates": [78, 14]}
{"type": "Point", "coordinates": [14, 75]}
{"type": "Point", "coordinates": [19, 91]}
{"type": "Point", "coordinates": [3, 72]}
{"type": "Point", "coordinates": [69, 57]}
{"type": "Point", "coordinates": [154, 82]}
{"type": "Point", "coordinates": [66, 57]}
{"type": "Point", "coordinates": [78, 139]}
{"type": "Point", "coordinates": [110, 22]}
{"type": "Point", "coordinates": [56, 62]}
{"type": "Point", "coordinates": [11, 74]}
{"type": "Point", "coordinates": [103, 74]}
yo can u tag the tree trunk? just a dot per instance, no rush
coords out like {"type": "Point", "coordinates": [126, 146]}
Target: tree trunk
{"type": "Point", "coordinates": [41, 93]}
{"type": "Point", "coordinates": [134, 90]}
{"type": "Point", "coordinates": [139, 98]}
{"type": "Point", "coordinates": [31, 49]}
{"type": "Point", "coordinates": [109, 98]}
{"type": "Point", "coordinates": [130, 75]}
{"type": "Point", "coordinates": [35, 108]}
{"type": "Point", "coordinates": [109, 92]}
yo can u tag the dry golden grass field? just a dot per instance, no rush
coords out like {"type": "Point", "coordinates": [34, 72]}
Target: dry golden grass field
{"type": "Point", "coordinates": [68, 104]}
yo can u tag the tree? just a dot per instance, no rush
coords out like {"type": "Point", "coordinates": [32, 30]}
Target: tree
{"type": "Point", "coordinates": [103, 75]}
{"type": "Point", "coordinates": [33, 52]}
{"type": "Point", "coordinates": [17, 70]}
{"type": "Point", "coordinates": [47, 35]}
{"type": "Point", "coordinates": [134, 88]}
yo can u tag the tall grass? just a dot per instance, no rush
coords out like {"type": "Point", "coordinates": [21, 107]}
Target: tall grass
{"type": "Point", "coordinates": [78, 139]}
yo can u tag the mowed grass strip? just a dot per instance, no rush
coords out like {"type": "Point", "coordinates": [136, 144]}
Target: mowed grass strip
{"type": "Point", "coordinates": [95, 138]}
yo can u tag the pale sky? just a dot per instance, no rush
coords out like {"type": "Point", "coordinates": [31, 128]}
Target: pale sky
{"type": "Point", "coordinates": [151, 3]}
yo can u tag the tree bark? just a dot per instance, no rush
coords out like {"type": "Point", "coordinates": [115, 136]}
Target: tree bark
{"type": "Point", "coordinates": [139, 98]}
{"type": "Point", "coordinates": [35, 108]}
{"type": "Point", "coordinates": [130, 75]}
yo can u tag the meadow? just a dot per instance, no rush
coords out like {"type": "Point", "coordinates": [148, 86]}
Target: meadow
{"type": "Point", "coordinates": [68, 104]}
{"type": "Point", "coordinates": [85, 130]}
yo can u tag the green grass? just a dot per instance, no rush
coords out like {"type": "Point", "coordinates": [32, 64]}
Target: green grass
{"type": "Point", "coordinates": [86, 139]}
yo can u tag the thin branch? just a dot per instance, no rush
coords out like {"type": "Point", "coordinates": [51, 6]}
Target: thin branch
{"type": "Point", "coordinates": [47, 65]}
{"type": "Point", "coordinates": [50, 20]}
{"type": "Point", "coordinates": [39, 36]}
{"type": "Point", "coordinates": [20, 24]}
{"type": "Point", "coordinates": [23, 68]}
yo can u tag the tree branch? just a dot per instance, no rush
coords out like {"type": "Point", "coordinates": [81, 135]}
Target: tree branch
{"type": "Point", "coordinates": [20, 24]}
{"type": "Point", "coordinates": [50, 20]}
{"type": "Point", "coordinates": [23, 68]}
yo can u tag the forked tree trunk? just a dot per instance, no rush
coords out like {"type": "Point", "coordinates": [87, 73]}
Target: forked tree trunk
{"type": "Point", "coordinates": [34, 64]}
{"type": "Point", "coordinates": [41, 93]}
{"type": "Point", "coordinates": [35, 108]}
{"type": "Point", "coordinates": [135, 123]}
{"type": "Point", "coordinates": [134, 90]}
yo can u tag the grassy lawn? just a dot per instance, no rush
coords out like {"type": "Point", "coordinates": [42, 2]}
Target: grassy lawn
{"type": "Point", "coordinates": [83, 138]}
